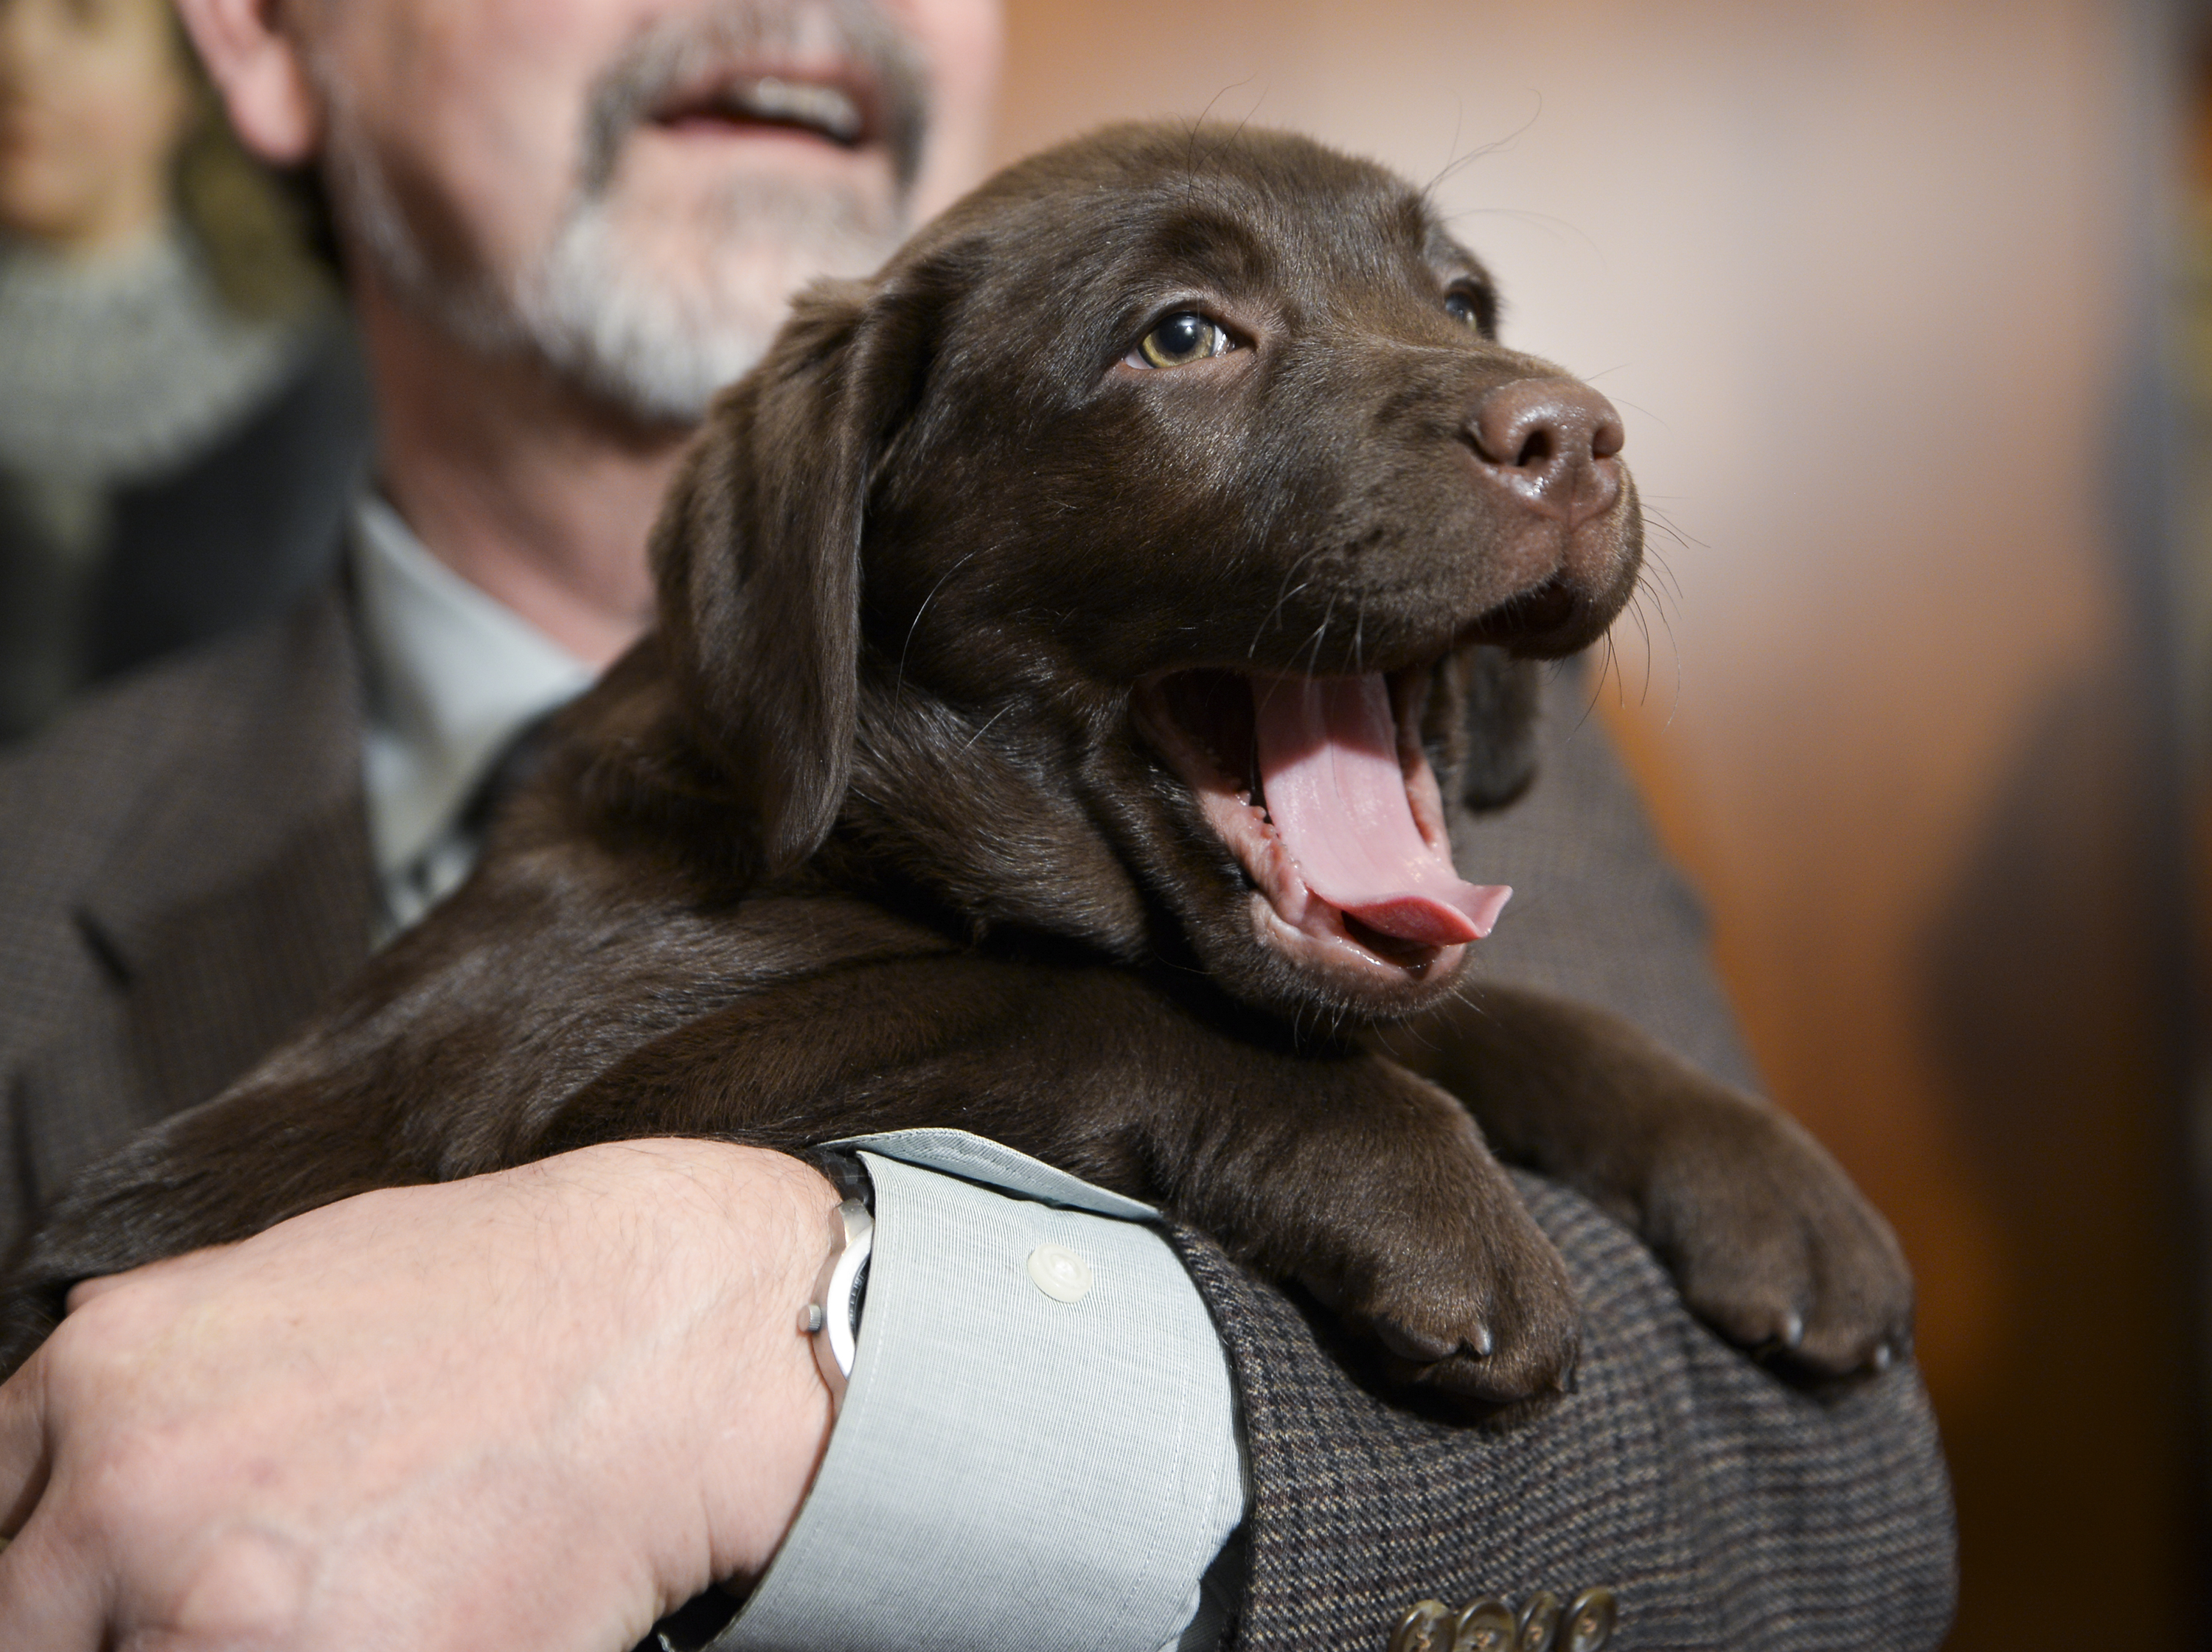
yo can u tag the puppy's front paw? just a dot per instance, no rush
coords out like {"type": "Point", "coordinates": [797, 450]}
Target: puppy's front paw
{"type": "Point", "coordinates": [1468, 1296]}
{"type": "Point", "coordinates": [1769, 1243]}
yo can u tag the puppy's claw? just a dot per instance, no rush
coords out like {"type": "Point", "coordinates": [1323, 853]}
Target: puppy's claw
{"type": "Point", "coordinates": [1539, 1365]}
{"type": "Point", "coordinates": [1515, 1338]}
{"type": "Point", "coordinates": [1408, 1344]}
{"type": "Point", "coordinates": [1476, 1342]}
{"type": "Point", "coordinates": [1768, 1240]}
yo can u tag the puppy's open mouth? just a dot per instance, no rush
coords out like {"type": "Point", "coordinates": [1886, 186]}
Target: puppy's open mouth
{"type": "Point", "coordinates": [1321, 789]}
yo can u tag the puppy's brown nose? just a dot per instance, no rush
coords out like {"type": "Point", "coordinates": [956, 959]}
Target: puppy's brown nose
{"type": "Point", "coordinates": [1550, 443]}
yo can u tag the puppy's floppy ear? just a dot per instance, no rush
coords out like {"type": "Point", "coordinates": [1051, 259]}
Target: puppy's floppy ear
{"type": "Point", "coordinates": [756, 556]}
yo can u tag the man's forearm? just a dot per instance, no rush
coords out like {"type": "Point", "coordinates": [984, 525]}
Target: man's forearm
{"type": "Point", "coordinates": [547, 1406]}
{"type": "Point", "coordinates": [535, 1408]}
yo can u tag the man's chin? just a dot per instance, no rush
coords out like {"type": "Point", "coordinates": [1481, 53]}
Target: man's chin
{"type": "Point", "coordinates": [662, 286]}
{"type": "Point", "coordinates": [655, 312]}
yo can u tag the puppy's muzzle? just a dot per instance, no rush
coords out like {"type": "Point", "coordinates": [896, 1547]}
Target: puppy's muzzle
{"type": "Point", "coordinates": [1547, 457]}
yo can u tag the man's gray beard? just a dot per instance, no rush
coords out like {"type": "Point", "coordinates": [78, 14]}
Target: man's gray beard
{"type": "Point", "coordinates": [658, 345]}
{"type": "Point", "coordinates": [654, 343]}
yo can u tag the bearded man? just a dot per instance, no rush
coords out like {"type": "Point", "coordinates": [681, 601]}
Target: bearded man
{"type": "Point", "coordinates": [549, 1406]}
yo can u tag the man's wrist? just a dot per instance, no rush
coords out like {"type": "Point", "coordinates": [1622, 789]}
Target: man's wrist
{"type": "Point", "coordinates": [741, 1245]}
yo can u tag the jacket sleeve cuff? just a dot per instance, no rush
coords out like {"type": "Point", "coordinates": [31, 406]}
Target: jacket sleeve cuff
{"type": "Point", "coordinates": [1038, 1445]}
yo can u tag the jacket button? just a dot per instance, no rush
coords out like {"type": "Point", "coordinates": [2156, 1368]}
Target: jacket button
{"type": "Point", "coordinates": [1540, 1623]}
{"type": "Point", "coordinates": [1486, 1626]}
{"type": "Point", "coordinates": [1426, 1627]}
{"type": "Point", "coordinates": [1590, 1620]}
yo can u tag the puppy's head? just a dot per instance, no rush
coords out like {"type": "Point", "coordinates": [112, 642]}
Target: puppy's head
{"type": "Point", "coordinates": [1115, 562]}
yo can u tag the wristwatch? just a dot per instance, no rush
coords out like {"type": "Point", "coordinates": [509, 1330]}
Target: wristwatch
{"type": "Point", "coordinates": [832, 1318]}
{"type": "Point", "coordinates": [832, 1314]}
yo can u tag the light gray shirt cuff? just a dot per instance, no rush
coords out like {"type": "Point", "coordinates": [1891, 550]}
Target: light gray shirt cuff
{"type": "Point", "coordinates": [1036, 1451]}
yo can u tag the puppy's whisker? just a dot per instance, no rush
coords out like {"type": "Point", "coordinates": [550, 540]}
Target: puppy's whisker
{"type": "Point", "coordinates": [1467, 991]}
{"type": "Point", "coordinates": [1647, 584]}
{"type": "Point", "coordinates": [1451, 151]}
{"type": "Point", "coordinates": [1560, 227]}
{"type": "Point", "coordinates": [1644, 627]}
{"type": "Point", "coordinates": [1320, 635]}
{"type": "Point", "coordinates": [1656, 562]}
{"type": "Point", "coordinates": [1654, 517]}
{"type": "Point", "coordinates": [970, 743]}
{"type": "Point", "coordinates": [1660, 564]}
{"type": "Point", "coordinates": [898, 677]}
{"type": "Point", "coordinates": [1451, 169]}
{"type": "Point", "coordinates": [1297, 564]}
{"type": "Point", "coordinates": [1283, 595]}
{"type": "Point", "coordinates": [1598, 680]}
{"type": "Point", "coordinates": [1634, 407]}
{"type": "Point", "coordinates": [1674, 649]}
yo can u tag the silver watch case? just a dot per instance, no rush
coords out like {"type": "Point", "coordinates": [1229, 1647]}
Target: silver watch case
{"type": "Point", "coordinates": [832, 1316]}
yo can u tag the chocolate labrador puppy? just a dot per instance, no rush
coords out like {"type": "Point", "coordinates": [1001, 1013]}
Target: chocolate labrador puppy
{"type": "Point", "coordinates": [1060, 704]}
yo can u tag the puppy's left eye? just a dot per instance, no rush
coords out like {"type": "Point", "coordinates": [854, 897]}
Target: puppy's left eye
{"type": "Point", "coordinates": [1182, 337]}
{"type": "Point", "coordinates": [1464, 308]}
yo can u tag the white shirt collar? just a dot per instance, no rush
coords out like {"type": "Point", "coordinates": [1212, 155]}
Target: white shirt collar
{"type": "Point", "coordinates": [453, 676]}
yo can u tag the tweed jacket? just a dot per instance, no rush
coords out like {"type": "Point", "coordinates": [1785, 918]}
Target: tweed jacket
{"type": "Point", "coordinates": [184, 872]}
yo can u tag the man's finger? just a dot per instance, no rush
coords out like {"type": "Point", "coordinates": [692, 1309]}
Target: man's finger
{"type": "Point", "coordinates": [90, 1291]}
{"type": "Point", "coordinates": [25, 1461]}
{"type": "Point", "coordinates": [85, 1290]}
{"type": "Point", "coordinates": [48, 1604]}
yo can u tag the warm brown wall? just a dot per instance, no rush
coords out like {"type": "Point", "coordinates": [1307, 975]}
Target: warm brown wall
{"type": "Point", "coordinates": [1855, 272]}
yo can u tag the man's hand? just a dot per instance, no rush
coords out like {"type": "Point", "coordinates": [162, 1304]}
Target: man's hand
{"type": "Point", "coordinates": [537, 1409]}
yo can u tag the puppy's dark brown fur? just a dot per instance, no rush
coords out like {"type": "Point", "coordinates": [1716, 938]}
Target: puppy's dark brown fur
{"type": "Point", "coordinates": [898, 819]}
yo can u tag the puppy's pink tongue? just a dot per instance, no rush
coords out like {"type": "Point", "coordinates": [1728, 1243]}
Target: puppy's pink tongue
{"type": "Point", "coordinates": [1329, 759]}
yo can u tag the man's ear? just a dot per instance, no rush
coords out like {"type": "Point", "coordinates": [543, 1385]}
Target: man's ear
{"type": "Point", "coordinates": [756, 556]}
{"type": "Point", "coordinates": [254, 57]}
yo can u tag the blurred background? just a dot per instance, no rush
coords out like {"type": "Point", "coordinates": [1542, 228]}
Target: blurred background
{"type": "Point", "coordinates": [183, 413]}
{"type": "Point", "coordinates": [1908, 307]}
{"type": "Point", "coordinates": [1909, 310]}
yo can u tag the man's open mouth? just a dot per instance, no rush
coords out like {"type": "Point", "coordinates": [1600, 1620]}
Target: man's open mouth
{"type": "Point", "coordinates": [1321, 789]}
{"type": "Point", "coordinates": [839, 112]}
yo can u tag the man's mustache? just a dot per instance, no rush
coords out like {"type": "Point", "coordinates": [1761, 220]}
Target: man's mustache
{"type": "Point", "coordinates": [875, 62]}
